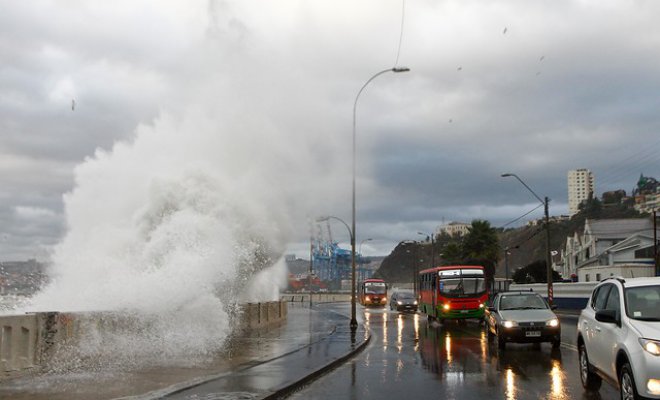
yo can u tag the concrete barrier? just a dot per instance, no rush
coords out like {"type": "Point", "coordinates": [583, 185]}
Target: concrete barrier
{"type": "Point", "coordinates": [18, 342]}
{"type": "Point", "coordinates": [316, 298]}
{"type": "Point", "coordinates": [261, 315]}
{"type": "Point", "coordinates": [31, 341]}
{"type": "Point", "coordinates": [566, 295]}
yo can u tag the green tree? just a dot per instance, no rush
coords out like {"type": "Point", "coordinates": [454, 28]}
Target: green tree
{"type": "Point", "coordinates": [480, 246]}
{"type": "Point", "coordinates": [534, 273]}
{"type": "Point", "coordinates": [452, 253]}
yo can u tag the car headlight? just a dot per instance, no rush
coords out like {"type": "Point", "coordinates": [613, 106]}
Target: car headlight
{"type": "Point", "coordinates": [509, 324]}
{"type": "Point", "coordinates": [553, 323]}
{"type": "Point", "coordinates": [367, 298]}
{"type": "Point", "coordinates": [415, 302]}
{"type": "Point", "coordinates": [446, 306]}
{"type": "Point", "coordinates": [399, 303]}
{"type": "Point", "coordinates": [652, 346]}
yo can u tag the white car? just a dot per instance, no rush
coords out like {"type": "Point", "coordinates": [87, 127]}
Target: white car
{"type": "Point", "coordinates": [619, 337]}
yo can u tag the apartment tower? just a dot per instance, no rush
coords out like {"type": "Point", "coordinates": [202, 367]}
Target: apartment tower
{"type": "Point", "coordinates": [580, 188]}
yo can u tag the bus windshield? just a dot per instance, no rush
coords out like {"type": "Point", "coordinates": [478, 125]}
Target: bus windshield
{"type": "Point", "coordinates": [462, 287]}
{"type": "Point", "coordinates": [462, 282]}
{"type": "Point", "coordinates": [374, 288]}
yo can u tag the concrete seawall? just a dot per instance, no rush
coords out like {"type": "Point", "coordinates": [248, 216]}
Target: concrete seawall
{"type": "Point", "coordinates": [316, 297]}
{"type": "Point", "coordinates": [569, 296]}
{"type": "Point", "coordinates": [30, 341]}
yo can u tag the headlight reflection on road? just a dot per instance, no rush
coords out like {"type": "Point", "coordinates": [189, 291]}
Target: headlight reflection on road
{"type": "Point", "coordinates": [557, 381]}
{"type": "Point", "coordinates": [399, 333]}
{"type": "Point", "coordinates": [484, 346]}
{"type": "Point", "coordinates": [384, 331]}
{"type": "Point", "coordinates": [510, 384]}
{"type": "Point", "coordinates": [416, 324]}
{"type": "Point", "coordinates": [448, 348]}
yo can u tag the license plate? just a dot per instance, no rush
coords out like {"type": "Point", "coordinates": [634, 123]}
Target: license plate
{"type": "Point", "coordinates": [464, 311]}
{"type": "Point", "coordinates": [533, 333]}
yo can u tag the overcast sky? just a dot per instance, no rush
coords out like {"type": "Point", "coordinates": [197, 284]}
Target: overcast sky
{"type": "Point", "coordinates": [529, 87]}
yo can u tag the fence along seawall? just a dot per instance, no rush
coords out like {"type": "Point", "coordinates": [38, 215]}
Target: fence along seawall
{"type": "Point", "coordinates": [28, 342]}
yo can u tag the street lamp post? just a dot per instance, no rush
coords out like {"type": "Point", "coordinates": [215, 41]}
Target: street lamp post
{"type": "Point", "coordinates": [353, 323]}
{"type": "Point", "coordinates": [432, 248]}
{"type": "Point", "coordinates": [506, 265]}
{"type": "Point", "coordinates": [363, 275]}
{"type": "Point", "coordinates": [548, 260]}
{"type": "Point", "coordinates": [365, 240]}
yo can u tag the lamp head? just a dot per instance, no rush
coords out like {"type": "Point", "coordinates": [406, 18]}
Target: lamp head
{"type": "Point", "coordinates": [400, 69]}
{"type": "Point", "coordinates": [505, 175]}
{"type": "Point", "coordinates": [322, 219]}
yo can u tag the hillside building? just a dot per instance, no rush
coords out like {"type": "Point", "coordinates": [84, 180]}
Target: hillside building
{"type": "Point", "coordinates": [456, 228]}
{"type": "Point", "coordinates": [580, 188]}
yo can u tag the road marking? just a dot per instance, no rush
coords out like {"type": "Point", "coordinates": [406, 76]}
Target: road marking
{"type": "Point", "coordinates": [570, 346]}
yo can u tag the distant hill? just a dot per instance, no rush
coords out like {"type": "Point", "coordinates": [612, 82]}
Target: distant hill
{"type": "Point", "coordinates": [297, 265]}
{"type": "Point", "coordinates": [402, 264]}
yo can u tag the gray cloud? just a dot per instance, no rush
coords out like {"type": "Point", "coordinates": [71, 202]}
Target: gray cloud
{"type": "Point", "coordinates": [570, 85]}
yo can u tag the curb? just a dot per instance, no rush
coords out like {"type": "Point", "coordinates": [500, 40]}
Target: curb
{"type": "Point", "coordinates": [288, 389]}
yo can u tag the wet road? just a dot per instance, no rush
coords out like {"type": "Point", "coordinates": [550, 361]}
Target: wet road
{"type": "Point", "coordinates": [409, 358]}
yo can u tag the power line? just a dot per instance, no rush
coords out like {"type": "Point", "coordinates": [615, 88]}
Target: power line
{"type": "Point", "coordinates": [403, 14]}
{"type": "Point", "coordinates": [522, 216]}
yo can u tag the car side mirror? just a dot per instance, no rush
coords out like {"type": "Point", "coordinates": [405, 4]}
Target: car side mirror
{"type": "Point", "coordinates": [607, 316]}
{"type": "Point", "coordinates": [553, 307]}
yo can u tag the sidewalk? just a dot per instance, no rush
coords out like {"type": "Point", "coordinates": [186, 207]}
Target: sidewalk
{"type": "Point", "coordinates": [262, 365]}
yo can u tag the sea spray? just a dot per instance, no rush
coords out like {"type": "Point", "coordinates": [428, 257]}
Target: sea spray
{"type": "Point", "coordinates": [172, 242]}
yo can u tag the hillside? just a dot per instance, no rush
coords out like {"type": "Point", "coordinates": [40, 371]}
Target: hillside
{"type": "Point", "coordinates": [401, 265]}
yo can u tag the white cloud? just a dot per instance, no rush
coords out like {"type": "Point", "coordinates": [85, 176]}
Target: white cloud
{"type": "Point", "coordinates": [34, 213]}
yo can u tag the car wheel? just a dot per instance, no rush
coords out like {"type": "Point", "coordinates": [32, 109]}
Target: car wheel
{"type": "Point", "coordinates": [627, 383]}
{"type": "Point", "coordinates": [590, 380]}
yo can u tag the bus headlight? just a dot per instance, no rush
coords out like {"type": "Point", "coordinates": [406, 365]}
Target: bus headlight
{"type": "Point", "coordinates": [481, 305]}
{"type": "Point", "coordinates": [415, 302]}
{"type": "Point", "coordinates": [383, 300]}
{"type": "Point", "coordinates": [445, 306]}
{"type": "Point", "coordinates": [553, 323]}
{"type": "Point", "coordinates": [509, 324]}
{"type": "Point", "coordinates": [367, 298]}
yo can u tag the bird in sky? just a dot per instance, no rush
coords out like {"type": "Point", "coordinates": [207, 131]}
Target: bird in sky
{"type": "Point", "coordinates": [542, 58]}
{"type": "Point", "coordinates": [504, 31]}
{"type": "Point", "coordinates": [73, 104]}
{"type": "Point", "coordinates": [459, 68]}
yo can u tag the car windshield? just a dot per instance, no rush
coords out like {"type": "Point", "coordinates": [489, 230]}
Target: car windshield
{"type": "Point", "coordinates": [374, 288]}
{"type": "Point", "coordinates": [643, 303]}
{"type": "Point", "coordinates": [462, 287]}
{"type": "Point", "coordinates": [522, 302]}
{"type": "Point", "coordinates": [404, 296]}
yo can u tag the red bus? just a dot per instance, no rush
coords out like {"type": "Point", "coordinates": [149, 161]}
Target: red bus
{"type": "Point", "coordinates": [452, 292]}
{"type": "Point", "coordinates": [372, 292]}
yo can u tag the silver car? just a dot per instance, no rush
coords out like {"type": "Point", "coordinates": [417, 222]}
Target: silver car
{"type": "Point", "coordinates": [522, 317]}
{"type": "Point", "coordinates": [619, 337]}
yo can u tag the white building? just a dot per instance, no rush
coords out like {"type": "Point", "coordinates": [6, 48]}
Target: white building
{"type": "Point", "coordinates": [605, 247]}
{"type": "Point", "coordinates": [580, 187]}
{"type": "Point", "coordinates": [456, 228]}
{"type": "Point", "coordinates": [647, 203]}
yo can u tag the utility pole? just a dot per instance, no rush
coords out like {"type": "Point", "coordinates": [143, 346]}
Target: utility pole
{"type": "Point", "coordinates": [548, 258]}
{"type": "Point", "coordinates": [311, 268]}
{"type": "Point", "coordinates": [655, 243]}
